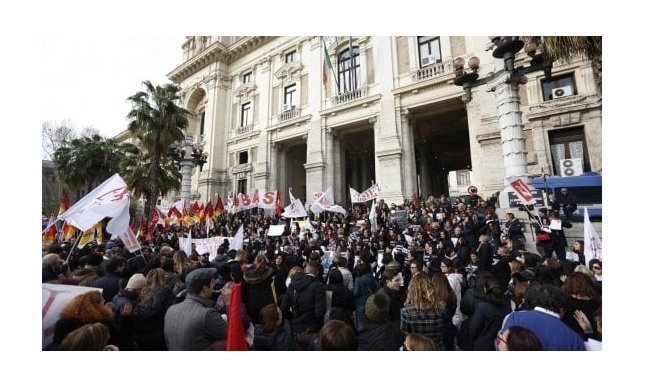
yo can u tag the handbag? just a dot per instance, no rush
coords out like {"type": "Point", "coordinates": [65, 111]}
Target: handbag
{"type": "Point", "coordinates": [543, 237]}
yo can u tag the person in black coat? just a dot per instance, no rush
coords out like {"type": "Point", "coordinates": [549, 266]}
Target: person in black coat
{"type": "Point", "coordinates": [270, 334]}
{"type": "Point", "coordinates": [111, 281]}
{"type": "Point", "coordinates": [256, 288]}
{"type": "Point", "coordinates": [378, 334]}
{"type": "Point", "coordinates": [341, 298]}
{"type": "Point", "coordinates": [566, 201]}
{"type": "Point", "coordinates": [304, 302]}
{"type": "Point", "coordinates": [485, 253]}
{"type": "Point", "coordinates": [558, 237]}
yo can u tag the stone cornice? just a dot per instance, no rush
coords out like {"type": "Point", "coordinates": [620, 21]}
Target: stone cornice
{"type": "Point", "coordinates": [213, 53]}
{"type": "Point", "coordinates": [362, 102]}
{"type": "Point", "coordinates": [570, 104]}
{"type": "Point", "coordinates": [216, 52]}
{"type": "Point", "coordinates": [286, 124]}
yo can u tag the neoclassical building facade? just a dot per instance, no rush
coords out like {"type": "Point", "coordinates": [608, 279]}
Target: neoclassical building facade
{"type": "Point", "coordinates": [387, 111]}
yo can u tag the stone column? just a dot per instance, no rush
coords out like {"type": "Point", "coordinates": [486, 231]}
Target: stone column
{"type": "Point", "coordinates": [408, 156]}
{"type": "Point", "coordinates": [274, 165]}
{"type": "Point", "coordinates": [329, 158]}
{"type": "Point", "coordinates": [506, 88]}
{"type": "Point", "coordinates": [186, 169]}
{"type": "Point", "coordinates": [337, 182]}
{"type": "Point", "coordinates": [424, 174]}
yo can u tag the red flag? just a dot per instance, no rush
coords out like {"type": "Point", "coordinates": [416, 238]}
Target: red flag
{"type": "Point", "coordinates": [219, 207]}
{"type": "Point", "coordinates": [523, 191]}
{"type": "Point", "coordinates": [415, 202]}
{"type": "Point", "coordinates": [195, 207]}
{"type": "Point", "coordinates": [142, 227]}
{"type": "Point", "coordinates": [64, 204]}
{"type": "Point", "coordinates": [153, 224]}
{"type": "Point", "coordinates": [50, 234]}
{"type": "Point", "coordinates": [278, 205]}
{"type": "Point", "coordinates": [208, 212]}
{"type": "Point", "coordinates": [235, 335]}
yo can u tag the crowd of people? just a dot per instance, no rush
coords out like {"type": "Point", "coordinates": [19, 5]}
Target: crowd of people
{"type": "Point", "coordinates": [449, 275]}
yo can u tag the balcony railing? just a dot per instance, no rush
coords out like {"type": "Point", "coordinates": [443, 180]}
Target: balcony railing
{"type": "Point", "coordinates": [290, 114]}
{"type": "Point", "coordinates": [349, 96]}
{"type": "Point", "coordinates": [434, 70]}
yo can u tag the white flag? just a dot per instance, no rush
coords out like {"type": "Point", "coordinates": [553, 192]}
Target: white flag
{"type": "Point", "coordinates": [130, 241]}
{"type": "Point", "coordinates": [593, 243]}
{"type": "Point", "coordinates": [325, 202]}
{"type": "Point", "coordinates": [110, 199]}
{"type": "Point", "coordinates": [294, 210]}
{"type": "Point", "coordinates": [372, 217]}
{"type": "Point", "coordinates": [238, 240]}
{"type": "Point", "coordinates": [371, 193]}
{"type": "Point", "coordinates": [187, 247]}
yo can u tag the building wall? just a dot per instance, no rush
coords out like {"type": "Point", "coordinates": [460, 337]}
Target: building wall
{"type": "Point", "coordinates": [393, 89]}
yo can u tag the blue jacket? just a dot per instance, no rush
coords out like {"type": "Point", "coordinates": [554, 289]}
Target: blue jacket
{"type": "Point", "coordinates": [552, 332]}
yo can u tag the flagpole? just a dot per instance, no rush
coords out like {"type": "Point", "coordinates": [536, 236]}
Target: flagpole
{"type": "Point", "coordinates": [78, 239]}
{"type": "Point", "coordinates": [326, 53]}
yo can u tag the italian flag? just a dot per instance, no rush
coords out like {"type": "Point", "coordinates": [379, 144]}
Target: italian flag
{"type": "Point", "coordinates": [326, 64]}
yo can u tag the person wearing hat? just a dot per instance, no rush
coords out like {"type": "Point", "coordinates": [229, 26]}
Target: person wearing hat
{"type": "Point", "coordinates": [193, 324]}
{"type": "Point", "coordinates": [122, 305]}
{"type": "Point", "coordinates": [378, 334]}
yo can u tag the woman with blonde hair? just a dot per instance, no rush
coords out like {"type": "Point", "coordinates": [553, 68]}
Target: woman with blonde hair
{"type": "Point", "coordinates": [423, 310]}
{"type": "Point", "coordinates": [148, 316]}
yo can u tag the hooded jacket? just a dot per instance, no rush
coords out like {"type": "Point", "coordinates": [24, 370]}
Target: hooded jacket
{"type": "Point", "coordinates": [304, 302]}
{"type": "Point", "coordinates": [256, 291]}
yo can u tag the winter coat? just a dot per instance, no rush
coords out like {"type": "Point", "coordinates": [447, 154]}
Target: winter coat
{"type": "Point", "coordinates": [256, 291]}
{"type": "Point", "coordinates": [110, 283]}
{"type": "Point", "coordinates": [193, 324]}
{"type": "Point", "coordinates": [149, 319]}
{"type": "Point", "coordinates": [278, 340]}
{"type": "Point", "coordinates": [379, 337]}
{"type": "Point", "coordinates": [304, 303]}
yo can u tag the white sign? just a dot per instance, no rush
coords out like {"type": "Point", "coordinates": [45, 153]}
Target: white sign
{"type": "Point", "coordinates": [276, 230]}
{"type": "Point", "coordinates": [55, 297]}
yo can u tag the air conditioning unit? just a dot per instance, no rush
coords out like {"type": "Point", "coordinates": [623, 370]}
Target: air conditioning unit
{"type": "Point", "coordinates": [427, 60]}
{"type": "Point", "coordinates": [286, 107]}
{"type": "Point", "coordinates": [571, 167]}
{"type": "Point", "coordinates": [561, 92]}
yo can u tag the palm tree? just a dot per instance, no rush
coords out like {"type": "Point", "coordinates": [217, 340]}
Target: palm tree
{"type": "Point", "coordinates": [135, 167]}
{"type": "Point", "coordinates": [157, 122]}
{"type": "Point", "coordinates": [84, 163]}
{"type": "Point", "coordinates": [567, 48]}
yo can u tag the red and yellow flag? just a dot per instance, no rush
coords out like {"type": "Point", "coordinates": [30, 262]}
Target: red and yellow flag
{"type": "Point", "coordinates": [219, 207]}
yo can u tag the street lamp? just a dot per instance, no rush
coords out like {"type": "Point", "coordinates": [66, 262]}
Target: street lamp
{"type": "Point", "coordinates": [188, 155]}
{"type": "Point", "coordinates": [505, 84]}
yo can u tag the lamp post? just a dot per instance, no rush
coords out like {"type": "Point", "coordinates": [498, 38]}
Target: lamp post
{"type": "Point", "coordinates": [505, 84]}
{"type": "Point", "coordinates": [188, 155]}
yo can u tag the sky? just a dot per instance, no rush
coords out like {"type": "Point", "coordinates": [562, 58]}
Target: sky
{"type": "Point", "coordinates": [88, 78]}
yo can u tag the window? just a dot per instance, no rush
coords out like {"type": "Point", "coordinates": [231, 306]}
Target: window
{"type": "Point", "coordinates": [246, 78]}
{"type": "Point", "coordinates": [201, 124]}
{"type": "Point", "coordinates": [246, 115]}
{"type": "Point", "coordinates": [463, 177]}
{"type": "Point", "coordinates": [568, 144]}
{"type": "Point", "coordinates": [290, 57]}
{"type": "Point", "coordinates": [289, 97]}
{"type": "Point", "coordinates": [241, 186]}
{"type": "Point", "coordinates": [348, 65]}
{"type": "Point", "coordinates": [243, 157]}
{"type": "Point", "coordinates": [429, 50]}
{"type": "Point", "coordinates": [559, 87]}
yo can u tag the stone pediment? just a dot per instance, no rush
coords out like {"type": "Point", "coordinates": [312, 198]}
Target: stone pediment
{"type": "Point", "coordinates": [289, 71]}
{"type": "Point", "coordinates": [246, 90]}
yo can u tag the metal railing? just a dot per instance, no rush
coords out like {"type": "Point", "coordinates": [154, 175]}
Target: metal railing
{"type": "Point", "coordinates": [244, 129]}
